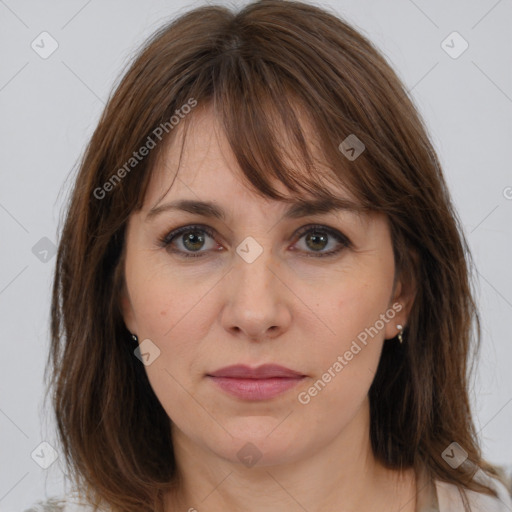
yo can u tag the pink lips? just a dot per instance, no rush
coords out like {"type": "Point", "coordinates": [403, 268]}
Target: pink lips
{"type": "Point", "coordinates": [260, 383]}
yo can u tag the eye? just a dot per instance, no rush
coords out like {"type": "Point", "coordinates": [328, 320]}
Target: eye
{"type": "Point", "coordinates": [193, 238]}
{"type": "Point", "coordinates": [318, 238]}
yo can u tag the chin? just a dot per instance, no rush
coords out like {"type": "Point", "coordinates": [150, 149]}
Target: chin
{"type": "Point", "coordinates": [259, 443]}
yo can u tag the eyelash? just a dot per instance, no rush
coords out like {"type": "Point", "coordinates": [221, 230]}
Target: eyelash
{"type": "Point", "coordinates": [167, 239]}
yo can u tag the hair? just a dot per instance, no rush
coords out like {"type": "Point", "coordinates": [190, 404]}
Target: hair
{"type": "Point", "coordinates": [272, 60]}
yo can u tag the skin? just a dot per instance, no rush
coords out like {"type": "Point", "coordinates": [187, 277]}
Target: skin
{"type": "Point", "coordinates": [285, 307]}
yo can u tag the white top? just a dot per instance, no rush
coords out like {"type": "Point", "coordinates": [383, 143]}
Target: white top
{"type": "Point", "coordinates": [446, 499]}
{"type": "Point", "coordinates": [450, 500]}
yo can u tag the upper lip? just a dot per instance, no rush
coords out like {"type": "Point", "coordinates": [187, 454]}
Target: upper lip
{"type": "Point", "coordinates": [265, 371]}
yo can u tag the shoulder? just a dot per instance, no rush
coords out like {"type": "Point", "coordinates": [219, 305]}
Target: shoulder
{"type": "Point", "coordinates": [450, 500]}
{"type": "Point", "coordinates": [67, 503]}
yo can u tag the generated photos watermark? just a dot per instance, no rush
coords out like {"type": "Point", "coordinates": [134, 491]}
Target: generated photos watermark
{"type": "Point", "coordinates": [304, 397]}
{"type": "Point", "coordinates": [143, 151]}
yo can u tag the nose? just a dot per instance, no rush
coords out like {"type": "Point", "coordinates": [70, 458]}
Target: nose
{"type": "Point", "coordinates": [257, 301]}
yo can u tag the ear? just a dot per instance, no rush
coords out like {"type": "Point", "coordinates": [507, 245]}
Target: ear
{"type": "Point", "coordinates": [404, 293]}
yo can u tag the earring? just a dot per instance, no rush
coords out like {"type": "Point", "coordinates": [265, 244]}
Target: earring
{"type": "Point", "coordinates": [134, 337]}
{"type": "Point", "coordinates": [400, 334]}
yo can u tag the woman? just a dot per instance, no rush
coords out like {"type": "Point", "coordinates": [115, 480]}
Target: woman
{"type": "Point", "coordinates": [262, 297]}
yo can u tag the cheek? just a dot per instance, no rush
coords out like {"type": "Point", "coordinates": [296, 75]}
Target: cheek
{"type": "Point", "coordinates": [164, 299]}
{"type": "Point", "coordinates": [170, 312]}
{"type": "Point", "coordinates": [354, 307]}
{"type": "Point", "coordinates": [346, 362]}
{"type": "Point", "coordinates": [354, 312]}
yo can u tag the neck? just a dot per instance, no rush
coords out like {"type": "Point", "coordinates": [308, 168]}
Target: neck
{"type": "Point", "coordinates": [340, 475]}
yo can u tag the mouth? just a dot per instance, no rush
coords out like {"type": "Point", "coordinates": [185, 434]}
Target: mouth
{"type": "Point", "coordinates": [261, 383]}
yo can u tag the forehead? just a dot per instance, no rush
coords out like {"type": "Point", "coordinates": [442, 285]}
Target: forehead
{"type": "Point", "coordinates": [203, 166]}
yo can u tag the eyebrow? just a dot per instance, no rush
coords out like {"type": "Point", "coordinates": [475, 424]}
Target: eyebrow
{"type": "Point", "coordinates": [301, 208]}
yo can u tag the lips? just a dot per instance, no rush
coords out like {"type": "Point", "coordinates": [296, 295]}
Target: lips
{"type": "Point", "coordinates": [266, 371]}
{"type": "Point", "coordinates": [262, 383]}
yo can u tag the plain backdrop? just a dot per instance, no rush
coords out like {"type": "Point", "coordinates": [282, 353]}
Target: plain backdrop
{"type": "Point", "coordinates": [49, 108]}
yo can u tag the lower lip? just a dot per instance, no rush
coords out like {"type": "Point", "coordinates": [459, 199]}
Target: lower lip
{"type": "Point", "coordinates": [256, 389]}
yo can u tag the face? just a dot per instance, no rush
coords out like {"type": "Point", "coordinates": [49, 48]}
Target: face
{"type": "Point", "coordinates": [252, 289]}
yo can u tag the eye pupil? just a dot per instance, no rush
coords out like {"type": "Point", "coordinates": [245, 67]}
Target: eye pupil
{"type": "Point", "coordinates": [189, 237]}
{"type": "Point", "coordinates": [317, 238]}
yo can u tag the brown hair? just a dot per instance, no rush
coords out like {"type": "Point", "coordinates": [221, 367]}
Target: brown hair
{"type": "Point", "coordinates": [273, 58]}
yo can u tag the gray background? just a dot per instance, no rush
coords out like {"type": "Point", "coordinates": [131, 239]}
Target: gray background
{"type": "Point", "coordinates": [49, 108]}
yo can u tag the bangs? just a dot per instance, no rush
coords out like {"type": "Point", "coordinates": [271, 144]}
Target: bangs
{"type": "Point", "coordinates": [266, 126]}
{"type": "Point", "coordinates": [273, 133]}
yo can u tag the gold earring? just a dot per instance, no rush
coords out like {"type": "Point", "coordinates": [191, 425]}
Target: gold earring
{"type": "Point", "coordinates": [400, 334]}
